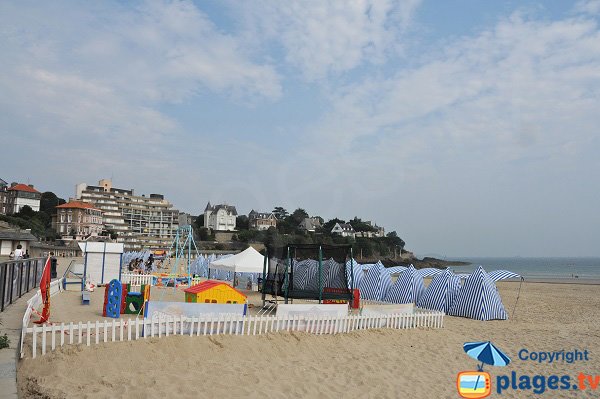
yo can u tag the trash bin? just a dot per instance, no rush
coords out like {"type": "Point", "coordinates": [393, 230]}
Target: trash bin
{"type": "Point", "coordinates": [53, 267]}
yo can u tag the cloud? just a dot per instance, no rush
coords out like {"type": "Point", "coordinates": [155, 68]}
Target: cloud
{"type": "Point", "coordinates": [109, 68]}
{"type": "Point", "coordinates": [330, 37]}
{"type": "Point", "coordinates": [514, 89]}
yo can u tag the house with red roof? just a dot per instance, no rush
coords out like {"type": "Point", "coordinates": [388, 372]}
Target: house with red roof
{"type": "Point", "coordinates": [77, 220]}
{"type": "Point", "coordinates": [18, 195]}
{"type": "Point", "coordinates": [212, 291]}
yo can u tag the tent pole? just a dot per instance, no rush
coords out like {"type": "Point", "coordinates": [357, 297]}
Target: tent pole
{"type": "Point", "coordinates": [320, 276]}
{"type": "Point", "coordinates": [352, 274]}
{"type": "Point", "coordinates": [264, 279]}
{"type": "Point", "coordinates": [286, 279]}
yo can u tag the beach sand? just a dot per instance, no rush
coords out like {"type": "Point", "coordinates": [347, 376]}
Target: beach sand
{"type": "Point", "coordinates": [375, 364]}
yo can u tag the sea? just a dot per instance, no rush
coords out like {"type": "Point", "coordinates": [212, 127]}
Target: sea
{"type": "Point", "coordinates": [537, 268]}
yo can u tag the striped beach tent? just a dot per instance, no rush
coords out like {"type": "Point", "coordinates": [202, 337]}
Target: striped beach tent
{"type": "Point", "coordinates": [441, 292]}
{"type": "Point", "coordinates": [359, 271]}
{"type": "Point", "coordinates": [479, 299]}
{"type": "Point", "coordinates": [498, 275]}
{"type": "Point", "coordinates": [407, 289]}
{"type": "Point", "coordinates": [395, 269]}
{"type": "Point", "coordinates": [429, 271]}
{"type": "Point", "coordinates": [376, 283]}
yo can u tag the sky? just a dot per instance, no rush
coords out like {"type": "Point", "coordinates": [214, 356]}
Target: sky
{"type": "Point", "coordinates": [469, 127]}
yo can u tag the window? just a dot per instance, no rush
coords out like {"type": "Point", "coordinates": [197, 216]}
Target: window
{"type": "Point", "coordinates": [207, 301]}
{"type": "Point", "coordinates": [228, 302]}
{"type": "Point", "coordinates": [213, 301]}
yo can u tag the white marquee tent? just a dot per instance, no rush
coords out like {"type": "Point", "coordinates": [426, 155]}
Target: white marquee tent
{"type": "Point", "coordinates": [247, 261]}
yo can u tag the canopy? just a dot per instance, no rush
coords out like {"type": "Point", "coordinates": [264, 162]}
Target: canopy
{"type": "Point", "coordinates": [247, 261]}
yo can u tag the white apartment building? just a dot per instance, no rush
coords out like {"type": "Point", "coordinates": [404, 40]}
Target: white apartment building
{"type": "Point", "coordinates": [141, 222]}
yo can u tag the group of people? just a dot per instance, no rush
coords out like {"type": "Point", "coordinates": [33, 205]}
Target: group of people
{"type": "Point", "coordinates": [138, 265]}
{"type": "Point", "coordinates": [19, 254]}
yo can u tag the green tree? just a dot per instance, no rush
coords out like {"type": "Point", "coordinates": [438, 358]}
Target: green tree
{"type": "Point", "coordinates": [49, 201]}
{"type": "Point", "coordinates": [395, 241]}
{"type": "Point", "coordinates": [297, 217]}
{"type": "Point", "coordinates": [241, 222]}
{"type": "Point", "coordinates": [280, 213]}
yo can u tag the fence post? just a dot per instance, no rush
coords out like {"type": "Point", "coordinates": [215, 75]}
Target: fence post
{"type": "Point", "coordinates": [3, 276]}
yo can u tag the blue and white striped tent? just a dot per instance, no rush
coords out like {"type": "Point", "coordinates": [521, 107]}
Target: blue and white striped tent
{"type": "Point", "coordinates": [498, 275]}
{"type": "Point", "coordinates": [429, 271]}
{"type": "Point", "coordinates": [359, 272]}
{"type": "Point", "coordinates": [478, 299]}
{"type": "Point", "coordinates": [395, 269]}
{"type": "Point", "coordinates": [407, 289]}
{"type": "Point", "coordinates": [441, 292]}
{"type": "Point", "coordinates": [375, 285]}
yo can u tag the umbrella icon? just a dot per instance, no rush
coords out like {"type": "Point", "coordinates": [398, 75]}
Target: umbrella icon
{"type": "Point", "coordinates": [487, 353]}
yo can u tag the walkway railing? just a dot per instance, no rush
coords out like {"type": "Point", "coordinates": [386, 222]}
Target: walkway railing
{"type": "Point", "coordinates": [19, 277]}
{"type": "Point", "coordinates": [49, 337]}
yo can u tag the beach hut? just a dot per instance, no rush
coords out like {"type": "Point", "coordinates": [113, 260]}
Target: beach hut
{"type": "Point", "coordinates": [441, 292]}
{"type": "Point", "coordinates": [211, 291]}
{"type": "Point", "coordinates": [376, 283]}
{"type": "Point", "coordinates": [478, 299]}
{"type": "Point", "coordinates": [101, 262]}
{"type": "Point", "coordinates": [407, 289]}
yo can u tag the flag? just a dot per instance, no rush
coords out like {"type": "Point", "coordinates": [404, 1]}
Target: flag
{"type": "Point", "coordinates": [45, 291]}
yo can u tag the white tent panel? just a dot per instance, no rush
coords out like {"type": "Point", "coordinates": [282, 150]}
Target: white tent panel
{"type": "Point", "coordinates": [247, 261]}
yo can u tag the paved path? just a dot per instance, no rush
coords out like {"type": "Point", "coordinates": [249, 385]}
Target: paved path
{"type": "Point", "coordinates": [12, 320]}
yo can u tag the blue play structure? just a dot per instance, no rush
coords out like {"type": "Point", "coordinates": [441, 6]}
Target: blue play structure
{"type": "Point", "coordinates": [113, 299]}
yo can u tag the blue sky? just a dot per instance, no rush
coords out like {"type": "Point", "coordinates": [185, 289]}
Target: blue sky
{"type": "Point", "coordinates": [469, 127]}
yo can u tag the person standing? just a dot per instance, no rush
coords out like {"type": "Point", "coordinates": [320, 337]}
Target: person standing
{"type": "Point", "coordinates": [19, 252]}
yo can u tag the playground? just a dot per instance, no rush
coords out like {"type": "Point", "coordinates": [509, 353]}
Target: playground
{"type": "Point", "coordinates": [368, 363]}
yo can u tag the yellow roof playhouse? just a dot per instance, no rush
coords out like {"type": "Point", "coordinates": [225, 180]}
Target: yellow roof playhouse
{"type": "Point", "coordinates": [211, 291]}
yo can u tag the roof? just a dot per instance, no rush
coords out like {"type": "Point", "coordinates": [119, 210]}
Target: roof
{"type": "Point", "coordinates": [260, 215]}
{"type": "Point", "coordinates": [344, 227]}
{"type": "Point", "coordinates": [16, 235]}
{"type": "Point", "coordinates": [208, 284]}
{"type": "Point", "coordinates": [227, 208]}
{"type": "Point", "coordinates": [78, 205]}
{"type": "Point", "coordinates": [23, 187]}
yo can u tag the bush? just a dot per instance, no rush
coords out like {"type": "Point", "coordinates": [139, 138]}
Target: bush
{"type": "Point", "coordinates": [4, 341]}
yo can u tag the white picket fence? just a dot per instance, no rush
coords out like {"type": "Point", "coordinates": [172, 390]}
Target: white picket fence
{"type": "Point", "coordinates": [35, 303]}
{"type": "Point", "coordinates": [137, 279]}
{"type": "Point", "coordinates": [49, 337]}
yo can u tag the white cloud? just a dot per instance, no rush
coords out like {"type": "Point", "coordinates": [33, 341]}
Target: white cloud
{"type": "Point", "coordinates": [329, 37]}
{"type": "Point", "coordinates": [588, 6]}
{"type": "Point", "coordinates": [516, 88]}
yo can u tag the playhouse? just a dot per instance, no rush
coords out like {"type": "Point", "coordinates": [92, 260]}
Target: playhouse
{"type": "Point", "coordinates": [214, 292]}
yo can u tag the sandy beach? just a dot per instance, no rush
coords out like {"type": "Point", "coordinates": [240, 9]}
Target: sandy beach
{"type": "Point", "coordinates": [377, 363]}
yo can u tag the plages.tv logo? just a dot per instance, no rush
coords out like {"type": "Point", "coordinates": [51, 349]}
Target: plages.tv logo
{"type": "Point", "coordinates": [478, 384]}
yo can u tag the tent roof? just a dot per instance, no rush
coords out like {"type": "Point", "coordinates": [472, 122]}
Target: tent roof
{"type": "Point", "coordinates": [247, 261]}
{"type": "Point", "coordinates": [208, 284]}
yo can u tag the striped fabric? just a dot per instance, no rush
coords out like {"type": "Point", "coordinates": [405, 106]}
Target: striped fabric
{"type": "Point", "coordinates": [360, 272]}
{"type": "Point", "coordinates": [407, 289]}
{"type": "Point", "coordinates": [498, 275]}
{"type": "Point", "coordinates": [335, 275]}
{"type": "Point", "coordinates": [479, 299]}
{"type": "Point", "coordinates": [429, 271]}
{"type": "Point", "coordinates": [395, 269]}
{"type": "Point", "coordinates": [376, 283]}
{"type": "Point", "coordinates": [441, 292]}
